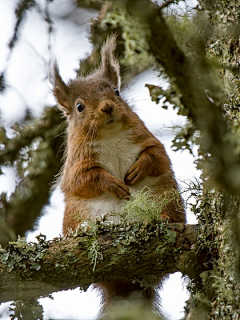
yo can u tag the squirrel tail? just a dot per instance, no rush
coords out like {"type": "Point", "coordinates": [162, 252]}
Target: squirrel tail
{"type": "Point", "coordinates": [112, 291]}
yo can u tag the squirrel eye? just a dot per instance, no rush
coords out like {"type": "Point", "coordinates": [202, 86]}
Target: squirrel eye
{"type": "Point", "coordinates": [80, 107]}
{"type": "Point", "coordinates": [117, 93]}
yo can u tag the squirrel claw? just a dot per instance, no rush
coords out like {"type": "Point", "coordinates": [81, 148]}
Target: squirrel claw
{"type": "Point", "coordinates": [134, 175]}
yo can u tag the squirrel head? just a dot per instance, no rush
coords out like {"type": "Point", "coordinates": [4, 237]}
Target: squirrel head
{"type": "Point", "coordinates": [93, 102]}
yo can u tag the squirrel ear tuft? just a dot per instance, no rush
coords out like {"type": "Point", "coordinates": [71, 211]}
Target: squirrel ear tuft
{"type": "Point", "coordinates": [110, 65]}
{"type": "Point", "coordinates": [60, 90]}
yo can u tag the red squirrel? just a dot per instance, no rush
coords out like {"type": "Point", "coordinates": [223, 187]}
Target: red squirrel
{"type": "Point", "coordinates": [110, 152]}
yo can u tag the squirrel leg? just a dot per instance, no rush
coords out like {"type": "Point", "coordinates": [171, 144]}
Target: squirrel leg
{"type": "Point", "coordinates": [89, 180]}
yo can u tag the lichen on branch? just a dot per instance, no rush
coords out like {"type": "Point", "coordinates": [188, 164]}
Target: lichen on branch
{"type": "Point", "coordinates": [151, 250]}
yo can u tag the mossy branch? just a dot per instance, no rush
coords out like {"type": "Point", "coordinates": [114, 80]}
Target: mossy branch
{"type": "Point", "coordinates": [141, 252]}
{"type": "Point", "coordinates": [19, 213]}
{"type": "Point", "coordinates": [46, 128]}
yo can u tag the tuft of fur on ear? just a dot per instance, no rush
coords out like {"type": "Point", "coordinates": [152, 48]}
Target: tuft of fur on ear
{"type": "Point", "coordinates": [60, 90]}
{"type": "Point", "coordinates": [110, 65]}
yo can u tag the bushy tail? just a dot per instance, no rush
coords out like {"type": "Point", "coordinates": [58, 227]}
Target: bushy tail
{"type": "Point", "coordinates": [112, 291]}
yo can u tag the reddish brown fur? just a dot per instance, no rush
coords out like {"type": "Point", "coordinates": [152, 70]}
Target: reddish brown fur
{"type": "Point", "coordinates": [85, 177]}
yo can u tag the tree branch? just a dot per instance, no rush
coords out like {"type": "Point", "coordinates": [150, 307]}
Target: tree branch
{"type": "Point", "coordinates": [105, 252]}
{"type": "Point", "coordinates": [19, 213]}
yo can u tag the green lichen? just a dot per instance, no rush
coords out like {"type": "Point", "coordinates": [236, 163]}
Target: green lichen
{"type": "Point", "coordinates": [20, 243]}
{"type": "Point", "coordinates": [94, 254]}
{"type": "Point", "coordinates": [218, 297]}
{"type": "Point", "coordinates": [23, 255]}
{"type": "Point", "coordinates": [134, 33]}
{"type": "Point", "coordinates": [169, 236]}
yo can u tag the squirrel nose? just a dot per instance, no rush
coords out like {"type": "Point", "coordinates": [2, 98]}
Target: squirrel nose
{"type": "Point", "coordinates": [107, 108]}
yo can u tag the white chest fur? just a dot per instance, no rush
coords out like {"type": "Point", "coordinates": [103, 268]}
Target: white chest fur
{"type": "Point", "coordinates": [116, 153]}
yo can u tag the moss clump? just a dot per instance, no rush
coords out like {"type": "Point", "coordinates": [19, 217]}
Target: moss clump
{"type": "Point", "coordinates": [143, 207]}
{"type": "Point", "coordinates": [146, 207]}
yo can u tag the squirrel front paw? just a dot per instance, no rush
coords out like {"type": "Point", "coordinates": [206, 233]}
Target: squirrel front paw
{"type": "Point", "coordinates": [117, 187]}
{"type": "Point", "coordinates": [152, 162]}
{"type": "Point", "coordinates": [137, 172]}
